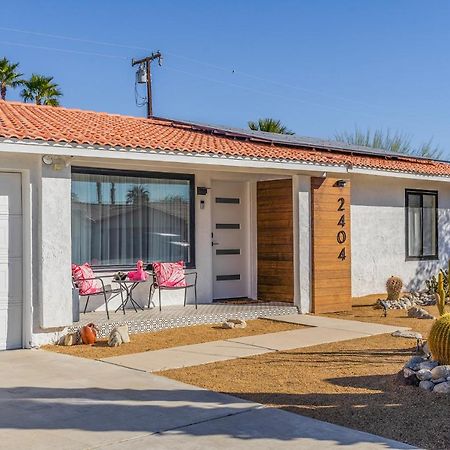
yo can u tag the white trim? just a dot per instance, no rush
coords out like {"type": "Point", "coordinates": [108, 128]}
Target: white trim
{"type": "Point", "coordinates": [253, 242]}
{"type": "Point", "coordinates": [185, 157]}
{"type": "Point", "coordinates": [27, 232]}
{"type": "Point", "coordinates": [392, 174]}
{"type": "Point", "coordinates": [27, 300]}
{"type": "Point", "coordinates": [171, 156]}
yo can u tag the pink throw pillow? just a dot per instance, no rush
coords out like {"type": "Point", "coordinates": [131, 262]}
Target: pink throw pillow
{"type": "Point", "coordinates": [81, 274]}
{"type": "Point", "coordinates": [170, 274]}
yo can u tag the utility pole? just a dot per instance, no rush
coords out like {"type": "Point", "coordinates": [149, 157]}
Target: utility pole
{"type": "Point", "coordinates": [143, 75]}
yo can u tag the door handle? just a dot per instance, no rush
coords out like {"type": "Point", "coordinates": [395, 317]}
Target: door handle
{"type": "Point", "coordinates": [214, 243]}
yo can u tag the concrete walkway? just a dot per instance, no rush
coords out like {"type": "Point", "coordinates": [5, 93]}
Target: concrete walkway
{"type": "Point", "coordinates": [54, 401]}
{"type": "Point", "coordinates": [320, 330]}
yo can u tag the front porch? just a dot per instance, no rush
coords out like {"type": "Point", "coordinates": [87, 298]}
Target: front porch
{"type": "Point", "coordinates": [178, 316]}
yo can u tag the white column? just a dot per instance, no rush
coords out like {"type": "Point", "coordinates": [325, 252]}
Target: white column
{"type": "Point", "coordinates": [55, 248]}
{"type": "Point", "coordinates": [203, 229]}
{"type": "Point", "coordinates": [301, 186]}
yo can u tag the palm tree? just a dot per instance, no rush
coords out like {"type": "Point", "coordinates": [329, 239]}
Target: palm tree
{"type": "Point", "coordinates": [385, 140]}
{"type": "Point", "coordinates": [138, 195]}
{"type": "Point", "coordinates": [42, 90]}
{"type": "Point", "coordinates": [9, 76]}
{"type": "Point", "coordinates": [270, 126]}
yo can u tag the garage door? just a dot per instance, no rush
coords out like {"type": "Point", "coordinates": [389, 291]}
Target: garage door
{"type": "Point", "coordinates": [11, 301]}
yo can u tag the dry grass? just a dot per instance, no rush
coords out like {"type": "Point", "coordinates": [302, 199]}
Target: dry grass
{"type": "Point", "coordinates": [174, 337]}
{"type": "Point", "coordinates": [352, 383]}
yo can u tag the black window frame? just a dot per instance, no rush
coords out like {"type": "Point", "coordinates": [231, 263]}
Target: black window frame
{"type": "Point", "coordinates": [422, 257]}
{"type": "Point", "coordinates": [148, 174]}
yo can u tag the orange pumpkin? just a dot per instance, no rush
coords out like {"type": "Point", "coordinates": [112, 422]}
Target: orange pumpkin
{"type": "Point", "coordinates": [89, 333]}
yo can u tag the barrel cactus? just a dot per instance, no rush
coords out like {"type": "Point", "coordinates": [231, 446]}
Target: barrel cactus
{"type": "Point", "coordinates": [394, 288]}
{"type": "Point", "coordinates": [439, 339]}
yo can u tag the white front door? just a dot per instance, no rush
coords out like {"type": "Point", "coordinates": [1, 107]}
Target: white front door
{"type": "Point", "coordinates": [11, 300]}
{"type": "Point", "coordinates": [229, 222]}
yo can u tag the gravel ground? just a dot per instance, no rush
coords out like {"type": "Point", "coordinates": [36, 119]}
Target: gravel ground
{"type": "Point", "coordinates": [174, 337]}
{"type": "Point", "coordinates": [352, 383]}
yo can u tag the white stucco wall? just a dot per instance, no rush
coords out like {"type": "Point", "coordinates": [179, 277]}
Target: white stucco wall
{"type": "Point", "coordinates": [55, 247]}
{"type": "Point", "coordinates": [378, 233]}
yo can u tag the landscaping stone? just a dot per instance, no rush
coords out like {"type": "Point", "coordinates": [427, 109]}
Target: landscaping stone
{"type": "Point", "coordinates": [419, 313]}
{"type": "Point", "coordinates": [442, 388]}
{"type": "Point", "coordinates": [427, 374]}
{"type": "Point", "coordinates": [424, 374]}
{"type": "Point", "coordinates": [428, 365]}
{"type": "Point", "coordinates": [426, 350]}
{"type": "Point", "coordinates": [408, 300]}
{"type": "Point", "coordinates": [439, 380]}
{"type": "Point", "coordinates": [426, 385]}
{"type": "Point", "coordinates": [407, 334]}
{"type": "Point", "coordinates": [118, 336]}
{"type": "Point", "coordinates": [440, 372]}
{"type": "Point", "coordinates": [414, 362]}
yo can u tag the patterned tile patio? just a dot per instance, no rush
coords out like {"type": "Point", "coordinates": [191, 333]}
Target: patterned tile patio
{"type": "Point", "coordinates": [179, 316]}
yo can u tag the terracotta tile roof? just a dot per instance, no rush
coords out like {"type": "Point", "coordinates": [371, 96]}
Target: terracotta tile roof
{"type": "Point", "coordinates": [72, 126]}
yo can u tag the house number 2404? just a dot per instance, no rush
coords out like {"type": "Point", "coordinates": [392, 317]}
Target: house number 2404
{"type": "Point", "coordinates": [341, 235]}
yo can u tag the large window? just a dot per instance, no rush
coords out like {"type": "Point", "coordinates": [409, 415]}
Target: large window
{"type": "Point", "coordinates": [119, 217]}
{"type": "Point", "coordinates": [421, 224]}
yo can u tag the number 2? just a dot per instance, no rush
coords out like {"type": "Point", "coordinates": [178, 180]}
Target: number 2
{"type": "Point", "coordinates": [341, 202]}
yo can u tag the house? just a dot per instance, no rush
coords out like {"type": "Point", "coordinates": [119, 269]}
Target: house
{"type": "Point", "coordinates": [284, 218]}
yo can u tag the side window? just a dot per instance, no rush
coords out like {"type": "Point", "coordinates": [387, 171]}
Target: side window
{"type": "Point", "coordinates": [421, 224]}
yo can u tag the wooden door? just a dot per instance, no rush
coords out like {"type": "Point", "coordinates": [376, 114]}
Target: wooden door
{"type": "Point", "coordinates": [331, 259]}
{"type": "Point", "coordinates": [275, 241]}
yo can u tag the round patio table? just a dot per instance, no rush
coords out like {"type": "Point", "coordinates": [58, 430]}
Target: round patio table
{"type": "Point", "coordinates": [128, 286]}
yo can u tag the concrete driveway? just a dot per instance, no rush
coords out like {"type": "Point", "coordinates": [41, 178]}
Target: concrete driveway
{"type": "Point", "coordinates": [52, 401]}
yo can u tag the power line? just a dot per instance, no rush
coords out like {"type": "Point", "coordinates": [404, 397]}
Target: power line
{"type": "Point", "coordinates": [64, 50]}
{"type": "Point", "coordinates": [187, 58]}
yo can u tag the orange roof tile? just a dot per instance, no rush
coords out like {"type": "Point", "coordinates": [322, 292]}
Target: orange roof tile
{"type": "Point", "coordinates": [56, 124]}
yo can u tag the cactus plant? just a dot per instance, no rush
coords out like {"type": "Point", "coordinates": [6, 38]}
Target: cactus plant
{"type": "Point", "coordinates": [440, 294]}
{"type": "Point", "coordinates": [439, 339]}
{"type": "Point", "coordinates": [394, 287]}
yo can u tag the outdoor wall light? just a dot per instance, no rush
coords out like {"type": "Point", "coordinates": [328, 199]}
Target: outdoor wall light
{"type": "Point", "coordinates": [57, 162]}
{"type": "Point", "coordinates": [340, 183]}
{"type": "Point", "coordinates": [47, 160]}
{"type": "Point", "coordinates": [202, 190]}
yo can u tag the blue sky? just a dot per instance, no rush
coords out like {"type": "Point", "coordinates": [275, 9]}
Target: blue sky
{"type": "Point", "coordinates": [320, 66]}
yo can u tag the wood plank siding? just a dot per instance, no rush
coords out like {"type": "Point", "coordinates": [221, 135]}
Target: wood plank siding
{"type": "Point", "coordinates": [331, 263]}
{"type": "Point", "coordinates": [275, 241]}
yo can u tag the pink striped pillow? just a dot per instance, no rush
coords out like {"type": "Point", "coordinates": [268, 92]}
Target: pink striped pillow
{"type": "Point", "coordinates": [170, 274]}
{"type": "Point", "coordinates": [80, 275]}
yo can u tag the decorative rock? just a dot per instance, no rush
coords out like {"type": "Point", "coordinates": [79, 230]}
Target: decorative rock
{"type": "Point", "coordinates": [238, 323]}
{"type": "Point", "coordinates": [118, 336]}
{"type": "Point", "coordinates": [439, 380]}
{"type": "Point", "coordinates": [426, 385]}
{"type": "Point", "coordinates": [424, 375]}
{"type": "Point", "coordinates": [414, 362]}
{"type": "Point", "coordinates": [407, 301]}
{"type": "Point", "coordinates": [71, 339]}
{"type": "Point", "coordinates": [426, 349]}
{"type": "Point", "coordinates": [442, 388]}
{"type": "Point", "coordinates": [407, 334]}
{"type": "Point", "coordinates": [428, 365]}
{"type": "Point", "coordinates": [234, 323]}
{"type": "Point", "coordinates": [419, 313]}
{"type": "Point", "coordinates": [440, 372]}
{"type": "Point", "coordinates": [407, 372]}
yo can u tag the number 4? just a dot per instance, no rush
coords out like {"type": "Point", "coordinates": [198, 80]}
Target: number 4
{"type": "Point", "coordinates": [342, 254]}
